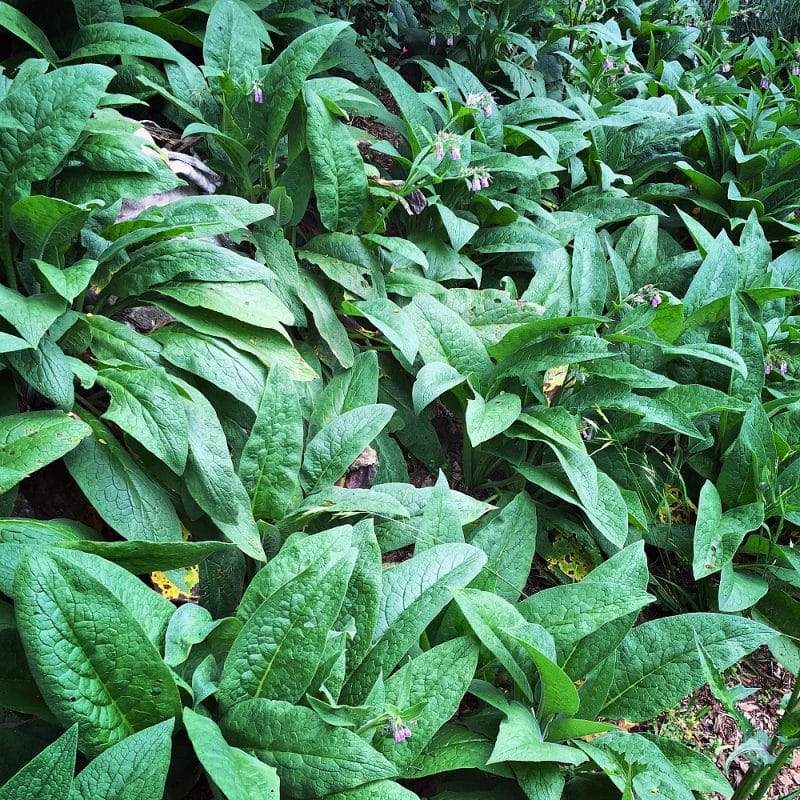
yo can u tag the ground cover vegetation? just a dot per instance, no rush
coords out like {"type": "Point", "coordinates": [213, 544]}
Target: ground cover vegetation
{"type": "Point", "coordinates": [470, 395]}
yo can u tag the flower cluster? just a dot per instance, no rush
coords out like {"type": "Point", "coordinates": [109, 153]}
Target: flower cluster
{"type": "Point", "coordinates": [398, 730]}
{"type": "Point", "coordinates": [482, 100]}
{"type": "Point", "coordinates": [258, 94]}
{"type": "Point", "coordinates": [477, 178]}
{"type": "Point", "coordinates": [776, 361]}
{"type": "Point", "coordinates": [447, 141]}
{"type": "Point", "coordinates": [647, 294]}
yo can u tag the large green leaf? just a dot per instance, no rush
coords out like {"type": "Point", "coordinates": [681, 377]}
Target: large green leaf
{"type": "Point", "coordinates": [437, 679]}
{"type": "Point", "coordinates": [232, 43]}
{"type": "Point", "coordinates": [286, 74]}
{"type": "Point", "coordinates": [270, 463]}
{"type": "Point", "coordinates": [658, 662]}
{"type": "Point", "coordinates": [238, 774]}
{"type": "Point", "coordinates": [31, 316]}
{"type": "Point", "coordinates": [51, 111]}
{"type": "Point", "coordinates": [338, 444]}
{"type": "Point", "coordinates": [92, 661]}
{"type": "Point", "coordinates": [340, 182]}
{"type": "Point", "coordinates": [312, 758]}
{"type": "Point", "coordinates": [119, 489]}
{"type": "Point", "coordinates": [48, 775]}
{"type": "Point", "coordinates": [146, 405]}
{"type": "Point", "coordinates": [33, 439]}
{"type": "Point", "coordinates": [133, 769]}
{"type": "Point", "coordinates": [414, 592]}
{"type": "Point", "coordinates": [278, 650]}
{"type": "Point", "coordinates": [17, 23]}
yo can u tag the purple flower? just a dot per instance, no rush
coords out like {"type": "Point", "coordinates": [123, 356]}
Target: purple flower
{"type": "Point", "coordinates": [608, 63]}
{"type": "Point", "coordinates": [485, 182]}
{"type": "Point", "coordinates": [726, 68]}
{"type": "Point", "coordinates": [796, 70]}
{"type": "Point", "coordinates": [398, 730]}
{"type": "Point", "coordinates": [455, 152]}
{"type": "Point", "coordinates": [258, 94]}
{"type": "Point", "coordinates": [626, 70]}
{"type": "Point", "coordinates": [783, 368]}
{"type": "Point", "coordinates": [476, 184]}
{"type": "Point", "coordinates": [488, 110]}
{"type": "Point", "coordinates": [439, 152]}
{"type": "Point", "coordinates": [586, 434]}
{"type": "Point", "coordinates": [764, 83]}
{"type": "Point", "coordinates": [767, 369]}
{"type": "Point", "coordinates": [433, 41]}
{"type": "Point", "coordinates": [449, 41]}
{"type": "Point", "coordinates": [656, 301]}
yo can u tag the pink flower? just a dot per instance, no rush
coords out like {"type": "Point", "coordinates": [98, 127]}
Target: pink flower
{"type": "Point", "coordinates": [476, 184]}
{"type": "Point", "coordinates": [258, 94]}
{"type": "Point", "coordinates": [455, 152]}
{"type": "Point", "coordinates": [656, 301]}
{"type": "Point", "coordinates": [398, 730]}
{"type": "Point", "coordinates": [726, 68]}
{"type": "Point", "coordinates": [783, 368]}
{"type": "Point", "coordinates": [626, 70]}
{"type": "Point", "coordinates": [767, 369]}
{"type": "Point", "coordinates": [439, 152]}
{"type": "Point", "coordinates": [485, 182]}
{"type": "Point", "coordinates": [608, 63]}
{"type": "Point", "coordinates": [488, 110]}
{"type": "Point", "coordinates": [404, 50]}
{"type": "Point", "coordinates": [796, 70]}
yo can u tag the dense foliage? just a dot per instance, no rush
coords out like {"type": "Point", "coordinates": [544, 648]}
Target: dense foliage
{"type": "Point", "coordinates": [472, 392]}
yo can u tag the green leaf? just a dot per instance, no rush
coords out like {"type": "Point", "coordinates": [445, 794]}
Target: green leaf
{"type": "Point", "coordinates": [17, 23]}
{"type": "Point", "coordinates": [572, 612]}
{"type": "Point", "coordinates": [658, 663]}
{"type": "Point", "coordinates": [31, 316]}
{"type": "Point", "coordinates": [717, 536]}
{"type": "Point", "coordinates": [739, 589]}
{"type": "Point", "coordinates": [312, 758]}
{"type": "Point", "coordinates": [92, 661]}
{"type": "Point", "coordinates": [486, 420]}
{"type": "Point", "coordinates": [452, 747]}
{"type": "Point", "coordinates": [211, 479]}
{"type": "Point", "coordinates": [33, 439]}
{"type": "Point", "coordinates": [338, 444]}
{"type": "Point", "coordinates": [588, 277]}
{"type": "Point", "coordinates": [393, 322]}
{"type": "Point", "coordinates": [520, 739]}
{"type": "Point", "coordinates": [115, 343]}
{"type": "Point", "coordinates": [716, 278]}
{"type": "Point", "coordinates": [445, 336]}
{"type": "Point", "coordinates": [232, 43]}
{"type": "Point", "coordinates": [558, 692]}
{"type": "Point", "coordinates": [330, 329]}
{"type": "Point", "coordinates": [247, 301]}
{"type": "Point", "coordinates": [379, 790]}
{"type": "Point", "coordinates": [340, 181]}
{"type": "Point", "coordinates": [437, 680]}
{"type": "Point", "coordinates": [432, 381]}
{"type": "Point", "coordinates": [516, 237]}
{"type": "Point", "coordinates": [146, 405]}
{"type": "Point", "coordinates": [133, 769]}
{"type": "Point", "coordinates": [52, 110]}
{"type": "Point", "coordinates": [239, 374]}
{"type": "Point", "coordinates": [120, 491]}
{"type": "Point", "coordinates": [92, 11]}
{"type": "Point", "coordinates": [412, 108]}
{"type": "Point", "coordinates": [270, 463]}
{"type": "Point", "coordinates": [414, 592]}
{"type": "Point", "coordinates": [46, 224]}
{"type": "Point", "coordinates": [509, 541]}
{"type": "Point", "coordinates": [277, 652]}
{"type": "Point", "coordinates": [116, 39]}
{"type": "Point", "coordinates": [696, 769]}
{"type": "Point", "coordinates": [48, 775]}
{"type": "Point", "coordinates": [236, 773]}
{"type": "Point", "coordinates": [285, 76]}
{"type": "Point", "coordinates": [47, 370]}
{"type": "Point", "coordinates": [70, 282]}
{"type": "Point", "coordinates": [191, 259]}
